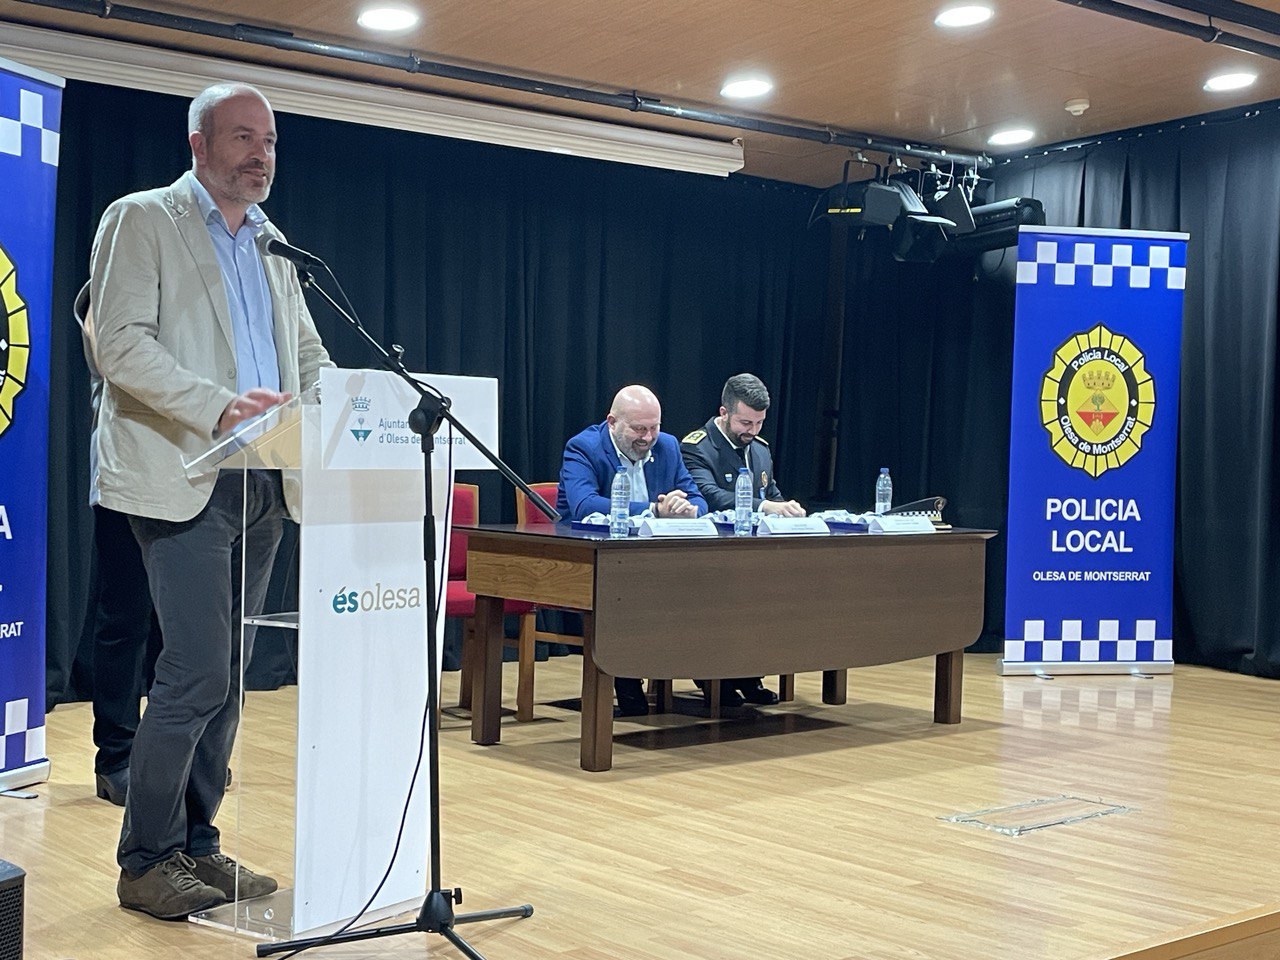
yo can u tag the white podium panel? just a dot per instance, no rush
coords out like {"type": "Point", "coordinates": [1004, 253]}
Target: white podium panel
{"type": "Point", "coordinates": [366, 424]}
{"type": "Point", "coordinates": [362, 684]}
{"type": "Point", "coordinates": [362, 653]}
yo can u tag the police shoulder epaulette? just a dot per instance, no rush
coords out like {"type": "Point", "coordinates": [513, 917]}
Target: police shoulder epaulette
{"type": "Point", "coordinates": [695, 436]}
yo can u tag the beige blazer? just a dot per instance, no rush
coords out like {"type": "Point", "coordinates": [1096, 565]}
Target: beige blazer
{"type": "Point", "coordinates": [163, 342]}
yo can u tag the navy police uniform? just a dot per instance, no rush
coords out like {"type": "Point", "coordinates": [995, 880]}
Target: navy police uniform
{"type": "Point", "coordinates": [713, 461]}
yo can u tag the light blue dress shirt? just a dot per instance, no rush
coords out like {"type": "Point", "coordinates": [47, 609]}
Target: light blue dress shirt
{"type": "Point", "coordinates": [248, 296]}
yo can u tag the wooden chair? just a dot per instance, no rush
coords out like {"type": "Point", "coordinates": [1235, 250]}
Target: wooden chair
{"type": "Point", "coordinates": [461, 602]}
{"type": "Point", "coordinates": [529, 515]}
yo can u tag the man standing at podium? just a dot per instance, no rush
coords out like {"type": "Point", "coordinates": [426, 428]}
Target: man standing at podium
{"type": "Point", "coordinates": [630, 436]}
{"type": "Point", "coordinates": [195, 332]}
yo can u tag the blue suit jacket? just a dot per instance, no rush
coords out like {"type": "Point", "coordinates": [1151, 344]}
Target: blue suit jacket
{"type": "Point", "coordinates": [590, 463]}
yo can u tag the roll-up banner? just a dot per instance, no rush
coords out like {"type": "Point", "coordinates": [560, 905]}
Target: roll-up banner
{"type": "Point", "coordinates": [1097, 336]}
{"type": "Point", "coordinates": [30, 110]}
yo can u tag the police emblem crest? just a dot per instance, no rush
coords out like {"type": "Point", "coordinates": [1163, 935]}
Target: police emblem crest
{"type": "Point", "coordinates": [1097, 400]}
{"type": "Point", "coordinates": [15, 340]}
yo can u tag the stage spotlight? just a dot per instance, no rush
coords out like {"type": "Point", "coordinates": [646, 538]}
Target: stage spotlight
{"type": "Point", "coordinates": [996, 224]}
{"type": "Point", "coordinates": [919, 239]}
{"type": "Point", "coordinates": [865, 203]}
{"type": "Point", "coordinates": [954, 205]}
{"type": "Point", "coordinates": [918, 235]}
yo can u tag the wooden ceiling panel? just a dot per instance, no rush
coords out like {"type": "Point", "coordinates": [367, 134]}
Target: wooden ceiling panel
{"type": "Point", "coordinates": [878, 68]}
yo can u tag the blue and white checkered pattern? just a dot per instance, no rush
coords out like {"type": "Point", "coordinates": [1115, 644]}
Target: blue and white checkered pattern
{"type": "Point", "coordinates": [1144, 706]}
{"type": "Point", "coordinates": [19, 743]}
{"type": "Point", "coordinates": [1069, 263]}
{"type": "Point", "coordinates": [1108, 648]}
{"type": "Point", "coordinates": [27, 131]}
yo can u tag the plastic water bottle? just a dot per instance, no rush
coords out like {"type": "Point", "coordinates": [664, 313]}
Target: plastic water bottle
{"type": "Point", "coordinates": [620, 504]}
{"type": "Point", "coordinates": [742, 504]}
{"type": "Point", "coordinates": [884, 491]}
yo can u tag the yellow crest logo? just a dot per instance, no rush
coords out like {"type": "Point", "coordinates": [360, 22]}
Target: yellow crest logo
{"type": "Point", "coordinates": [1097, 401]}
{"type": "Point", "coordinates": [15, 340]}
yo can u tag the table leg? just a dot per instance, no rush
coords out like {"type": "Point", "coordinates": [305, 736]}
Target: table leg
{"type": "Point", "coordinates": [835, 686]}
{"type": "Point", "coordinates": [787, 687]}
{"type": "Point", "coordinates": [663, 695]}
{"type": "Point", "coordinates": [948, 681]}
{"type": "Point", "coordinates": [597, 705]}
{"type": "Point", "coordinates": [486, 672]}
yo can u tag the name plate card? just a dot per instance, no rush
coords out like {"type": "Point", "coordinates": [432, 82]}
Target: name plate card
{"type": "Point", "coordinates": [891, 524]}
{"type": "Point", "coordinates": [774, 526]}
{"type": "Point", "coordinates": [678, 527]}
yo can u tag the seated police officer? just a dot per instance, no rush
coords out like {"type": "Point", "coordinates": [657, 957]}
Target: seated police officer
{"type": "Point", "coordinates": [714, 455]}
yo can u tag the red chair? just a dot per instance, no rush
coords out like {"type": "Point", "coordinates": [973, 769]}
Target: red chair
{"type": "Point", "coordinates": [529, 515]}
{"type": "Point", "coordinates": [461, 602]}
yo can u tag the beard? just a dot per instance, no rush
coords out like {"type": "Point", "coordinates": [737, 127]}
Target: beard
{"type": "Point", "coordinates": [630, 450]}
{"type": "Point", "coordinates": [247, 184]}
{"type": "Point", "coordinates": [243, 186]}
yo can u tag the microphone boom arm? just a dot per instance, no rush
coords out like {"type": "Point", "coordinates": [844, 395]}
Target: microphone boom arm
{"type": "Point", "coordinates": [433, 406]}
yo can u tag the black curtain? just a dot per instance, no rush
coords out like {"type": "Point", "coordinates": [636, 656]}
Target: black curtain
{"type": "Point", "coordinates": [566, 278]}
{"type": "Point", "coordinates": [925, 391]}
{"type": "Point", "coordinates": [563, 277]}
{"type": "Point", "coordinates": [927, 383]}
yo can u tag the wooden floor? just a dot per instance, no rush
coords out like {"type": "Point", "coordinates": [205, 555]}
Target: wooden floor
{"type": "Point", "coordinates": [803, 831]}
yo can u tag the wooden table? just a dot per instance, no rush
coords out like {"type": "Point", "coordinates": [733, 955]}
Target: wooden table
{"type": "Point", "coordinates": [728, 607]}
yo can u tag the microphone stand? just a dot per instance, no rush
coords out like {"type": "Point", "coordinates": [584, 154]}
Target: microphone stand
{"type": "Point", "coordinates": [436, 914]}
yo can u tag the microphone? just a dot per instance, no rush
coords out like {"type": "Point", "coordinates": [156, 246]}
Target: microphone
{"type": "Point", "coordinates": [270, 246]}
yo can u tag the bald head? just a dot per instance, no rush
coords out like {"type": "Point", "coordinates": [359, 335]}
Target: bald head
{"type": "Point", "coordinates": [634, 421]}
{"type": "Point", "coordinates": [200, 114]}
{"type": "Point", "coordinates": [635, 400]}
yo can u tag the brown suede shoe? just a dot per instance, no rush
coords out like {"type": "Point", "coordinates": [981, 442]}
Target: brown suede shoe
{"type": "Point", "coordinates": [168, 891]}
{"type": "Point", "coordinates": [219, 870]}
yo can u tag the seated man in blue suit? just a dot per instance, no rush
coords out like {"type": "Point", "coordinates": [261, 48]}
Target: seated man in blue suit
{"type": "Point", "coordinates": [659, 481]}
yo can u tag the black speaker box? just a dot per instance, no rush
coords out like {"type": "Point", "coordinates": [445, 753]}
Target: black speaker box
{"type": "Point", "coordinates": [12, 882]}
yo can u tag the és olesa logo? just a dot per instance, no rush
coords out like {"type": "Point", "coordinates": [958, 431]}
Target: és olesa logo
{"type": "Point", "coordinates": [379, 598]}
{"type": "Point", "coordinates": [15, 340]}
{"type": "Point", "coordinates": [1097, 401]}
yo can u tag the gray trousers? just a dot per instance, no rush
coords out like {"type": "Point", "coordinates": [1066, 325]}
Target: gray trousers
{"type": "Point", "coordinates": [178, 767]}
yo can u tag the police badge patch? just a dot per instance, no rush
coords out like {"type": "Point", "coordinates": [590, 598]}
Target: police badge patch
{"type": "Point", "coordinates": [1097, 401]}
{"type": "Point", "coordinates": [15, 342]}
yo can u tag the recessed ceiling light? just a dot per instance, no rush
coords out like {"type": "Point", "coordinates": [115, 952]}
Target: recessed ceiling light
{"type": "Point", "coordinates": [387, 18]}
{"type": "Point", "coordinates": [1007, 138]}
{"type": "Point", "coordinates": [1229, 81]}
{"type": "Point", "coordinates": [742, 87]}
{"type": "Point", "coordinates": [965, 15]}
